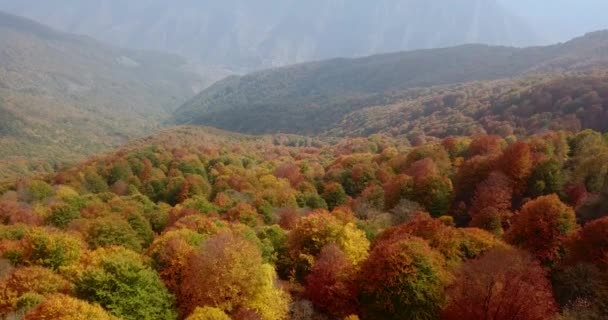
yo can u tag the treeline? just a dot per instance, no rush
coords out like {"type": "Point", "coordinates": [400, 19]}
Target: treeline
{"type": "Point", "coordinates": [198, 225]}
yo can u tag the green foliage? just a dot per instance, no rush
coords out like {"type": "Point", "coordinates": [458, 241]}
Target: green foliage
{"type": "Point", "coordinates": [38, 190]}
{"type": "Point", "coordinates": [62, 214]}
{"type": "Point", "coordinates": [120, 281]}
{"type": "Point", "coordinates": [547, 178]}
{"type": "Point", "coordinates": [334, 195]}
{"type": "Point", "coordinates": [113, 231]}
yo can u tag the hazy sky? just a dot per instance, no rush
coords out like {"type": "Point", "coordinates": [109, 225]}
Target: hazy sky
{"type": "Point", "coordinates": [560, 20]}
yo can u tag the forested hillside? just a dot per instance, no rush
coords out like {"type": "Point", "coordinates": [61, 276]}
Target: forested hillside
{"type": "Point", "coordinates": [64, 96]}
{"type": "Point", "coordinates": [204, 224]}
{"type": "Point", "coordinates": [505, 107]}
{"type": "Point", "coordinates": [314, 97]}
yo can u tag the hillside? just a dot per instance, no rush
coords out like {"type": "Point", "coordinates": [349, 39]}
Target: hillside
{"type": "Point", "coordinates": [63, 96]}
{"type": "Point", "coordinates": [504, 107]}
{"type": "Point", "coordinates": [242, 35]}
{"type": "Point", "coordinates": [313, 97]}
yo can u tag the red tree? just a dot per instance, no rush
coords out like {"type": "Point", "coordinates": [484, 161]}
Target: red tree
{"type": "Point", "coordinates": [492, 203]}
{"type": "Point", "coordinates": [516, 163]}
{"type": "Point", "coordinates": [591, 244]}
{"type": "Point", "coordinates": [541, 227]}
{"type": "Point", "coordinates": [330, 286]}
{"type": "Point", "coordinates": [504, 284]}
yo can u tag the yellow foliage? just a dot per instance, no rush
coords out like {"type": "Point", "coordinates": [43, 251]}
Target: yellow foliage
{"type": "Point", "coordinates": [62, 307]}
{"type": "Point", "coordinates": [66, 193]}
{"type": "Point", "coordinates": [271, 302]}
{"type": "Point", "coordinates": [354, 243]}
{"type": "Point", "coordinates": [208, 313]}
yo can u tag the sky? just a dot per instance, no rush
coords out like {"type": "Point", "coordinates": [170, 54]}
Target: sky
{"type": "Point", "coordinates": [560, 20]}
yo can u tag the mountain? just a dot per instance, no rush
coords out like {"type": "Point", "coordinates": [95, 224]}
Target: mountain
{"type": "Point", "coordinates": [64, 96]}
{"type": "Point", "coordinates": [243, 35]}
{"type": "Point", "coordinates": [311, 98]}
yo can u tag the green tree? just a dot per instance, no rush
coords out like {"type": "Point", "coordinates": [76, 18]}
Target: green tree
{"type": "Point", "coordinates": [120, 281]}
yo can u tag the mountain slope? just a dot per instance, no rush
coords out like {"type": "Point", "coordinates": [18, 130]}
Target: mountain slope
{"type": "Point", "coordinates": [64, 96]}
{"type": "Point", "coordinates": [311, 98]}
{"type": "Point", "coordinates": [243, 34]}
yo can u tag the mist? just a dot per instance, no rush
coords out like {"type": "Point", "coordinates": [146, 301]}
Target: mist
{"type": "Point", "coordinates": [240, 36]}
{"type": "Point", "coordinates": [560, 20]}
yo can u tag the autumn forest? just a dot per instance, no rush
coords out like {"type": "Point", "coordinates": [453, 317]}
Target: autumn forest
{"type": "Point", "coordinates": [463, 183]}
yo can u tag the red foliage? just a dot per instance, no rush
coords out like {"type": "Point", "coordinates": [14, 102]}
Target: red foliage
{"type": "Point", "coordinates": [421, 169]}
{"type": "Point", "coordinates": [492, 202]}
{"type": "Point", "coordinates": [470, 174]}
{"type": "Point", "coordinates": [485, 145]}
{"type": "Point", "coordinates": [291, 172]}
{"type": "Point", "coordinates": [12, 212]}
{"type": "Point", "coordinates": [504, 284]}
{"type": "Point", "coordinates": [516, 163]}
{"type": "Point", "coordinates": [591, 244]}
{"type": "Point", "coordinates": [288, 218]}
{"type": "Point", "coordinates": [396, 189]}
{"type": "Point", "coordinates": [541, 227]}
{"type": "Point", "coordinates": [578, 194]}
{"type": "Point", "coordinates": [330, 286]}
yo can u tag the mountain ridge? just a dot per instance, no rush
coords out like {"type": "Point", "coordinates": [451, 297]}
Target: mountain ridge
{"type": "Point", "coordinates": [309, 98]}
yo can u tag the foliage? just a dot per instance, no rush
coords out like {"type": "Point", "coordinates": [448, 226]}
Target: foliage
{"type": "Point", "coordinates": [331, 284]}
{"type": "Point", "coordinates": [403, 279]}
{"type": "Point", "coordinates": [67, 308]}
{"type": "Point", "coordinates": [208, 313]}
{"type": "Point", "coordinates": [120, 281]}
{"type": "Point", "coordinates": [501, 284]}
{"type": "Point", "coordinates": [29, 280]}
{"type": "Point", "coordinates": [541, 227]}
{"type": "Point", "coordinates": [228, 273]}
{"type": "Point", "coordinates": [50, 249]}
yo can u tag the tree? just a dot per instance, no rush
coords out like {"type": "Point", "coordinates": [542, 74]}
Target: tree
{"type": "Point", "coordinates": [403, 280]}
{"type": "Point", "coordinates": [51, 249]}
{"type": "Point", "coordinates": [228, 273]}
{"type": "Point", "coordinates": [244, 213]}
{"type": "Point", "coordinates": [334, 195]}
{"type": "Point", "coordinates": [504, 284]}
{"type": "Point", "coordinates": [62, 214]}
{"type": "Point", "coordinates": [120, 281]}
{"type": "Point", "coordinates": [170, 253]}
{"type": "Point", "coordinates": [547, 178]}
{"type": "Point", "coordinates": [490, 209]}
{"type": "Point", "coordinates": [435, 193]}
{"type": "Point", "coordinates": [319, 229]}
{"type": "Point", "coordinates": [331, 285]}
{"type": "Point", "coordinates": [581, 282]}
{"type": "Point", "coordinates": [66, 308]}
{"type": "Point", "coordinates": [541, 227]}
{"type": "Point", "coordinates": [591, 244]}
{"type": "Point", "coordinates": [484, 145]}
{"type": "Point", "coordinates": [399, 187]}
{"type": "Point", "coordinates": [516, 163]}
{"type": "Point", "coordinates": [112, 231]}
